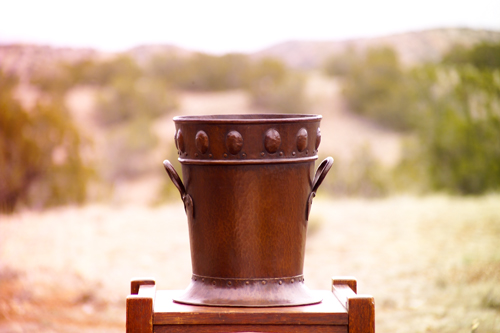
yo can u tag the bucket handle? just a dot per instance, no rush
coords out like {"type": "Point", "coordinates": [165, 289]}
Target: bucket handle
{"type": "Point", "coordinates": [321, 173]}
{"type": "Point", "coordinates": [186, 198]}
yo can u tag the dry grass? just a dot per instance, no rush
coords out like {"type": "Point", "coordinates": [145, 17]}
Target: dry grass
{"type": "Point", "coordinates": [433, 263]}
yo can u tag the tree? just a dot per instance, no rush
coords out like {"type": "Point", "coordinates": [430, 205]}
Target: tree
{"type": "Point", "coordinates": [377, 87]}
{"type": "Point", "coordinates": [40, 162]}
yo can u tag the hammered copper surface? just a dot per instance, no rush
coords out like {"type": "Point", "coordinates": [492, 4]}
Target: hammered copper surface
{"type": "Point", "coordinates": [248, 186]}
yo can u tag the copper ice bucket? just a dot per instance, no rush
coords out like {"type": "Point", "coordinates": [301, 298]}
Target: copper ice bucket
{"type": "Point", "coordinates": [248, 187]}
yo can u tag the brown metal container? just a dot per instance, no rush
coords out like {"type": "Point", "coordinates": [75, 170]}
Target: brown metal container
{"type": "Point", "coordinates": [248, 186]}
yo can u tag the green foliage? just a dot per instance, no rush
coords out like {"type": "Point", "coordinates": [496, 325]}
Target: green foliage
{"type": "Point", "coordinates": [453, 108]}
{"type": "Point", "coordinates": [274, 87]}
{"type": "Point", "coordinates": [40, 162]}
{"type": "Point", "coordinates": [361, 176]}
{"type": "Point", "coordinates": [129, 100]}
{"type": "Point", "coordinates": [460, 130]}
{"type": "Point", "coordinates": [341, 65]}
{"type": "Point", "coordinates": [128, 148]}
{"type": "Point", "coordinates": [375, 86]}
{"type": "Point", "coordinates": [67, 75]}
{"type": "Point", "coordinates": [106, 72]}
{"type": "Point", "coordinates": [125, 99]}
{"type": "Point", "coordinates": [201, 72]}
{"type": "Point", "coordinates": [287, 96]}
{"type": "Point", "coordinates": [485, 55]}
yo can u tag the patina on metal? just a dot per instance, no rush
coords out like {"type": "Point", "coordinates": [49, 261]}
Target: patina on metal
{"type": "Point", "coordinates": [248, 187]}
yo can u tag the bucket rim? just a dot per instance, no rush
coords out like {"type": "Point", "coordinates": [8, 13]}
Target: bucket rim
{"type": "Point", "coordinates": [249, 118]}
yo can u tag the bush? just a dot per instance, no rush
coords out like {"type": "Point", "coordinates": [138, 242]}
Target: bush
{"type": "Point", "coordinates": [201, 72]}
{"type": "Point", "coordinates": [276, 88]}
{"type": "Point", "coordinates": [124, 100]}
{"type": "Point", "coordinates": [453, 108]}
{"type": "Point", "coordinates": [40, 162]}
{"type": "Point", "coordinates": [485, 55]}
{"type": "Point", "coordinates": [361, 176]}
{"type": "Point", "coordinates": [128, 149]}
{"type": "Point", "coordinates": [460, 131]}
{"type": "Point", "coordinates": [341, 65]}
{"type": "Point", "coordinates": [377, 87]}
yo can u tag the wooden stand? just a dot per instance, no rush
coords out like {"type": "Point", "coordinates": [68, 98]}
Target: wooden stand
{"type": "Point", "coordinates": [342, 310]}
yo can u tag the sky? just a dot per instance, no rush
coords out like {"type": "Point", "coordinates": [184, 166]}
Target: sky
{"type": "Point", "coordinates": [221, 26]}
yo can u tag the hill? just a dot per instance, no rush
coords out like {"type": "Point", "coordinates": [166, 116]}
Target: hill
{"type": "Point", "coordinates": [413, 47]}
{"type": "Point", "coordinates": [23, 60]}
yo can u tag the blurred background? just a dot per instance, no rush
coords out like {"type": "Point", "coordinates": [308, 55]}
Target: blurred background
{"type": "Point", "coordinates": [410, 98]}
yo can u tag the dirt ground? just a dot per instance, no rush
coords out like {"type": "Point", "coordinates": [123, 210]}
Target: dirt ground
{"type": "Point", "coordinates": [432, 263]}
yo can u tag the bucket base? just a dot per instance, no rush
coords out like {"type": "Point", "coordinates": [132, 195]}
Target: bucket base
{"type": "Point", "coordinates": [265, 292]}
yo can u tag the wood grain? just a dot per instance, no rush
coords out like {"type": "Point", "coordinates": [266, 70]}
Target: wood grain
{"type": "Point", "coordinates": [328, 312]}
{"type": "Point", "coordinates": [361, 314]}
{"type": "Point", "coordinates": [345, 280]}
{"type": "Point", "coordinates": [137, 282]}
{"type": "Point", "coordinates": [140, 305]}
{"type": "Point", "coordinates": [360, 308]}
{"type": "Point", "coordinates": [250, 328]}
{"type": "Point", "coordinates": [139, 314]}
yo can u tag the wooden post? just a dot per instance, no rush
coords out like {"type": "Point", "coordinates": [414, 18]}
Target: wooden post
{"type": "Point", "coordinates": [140, 306]}
{"type": "Point", "coordinates": [360, 308]}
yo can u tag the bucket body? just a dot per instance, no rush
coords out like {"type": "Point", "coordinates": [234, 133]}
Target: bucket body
{"type": "Point", "coordinates": [248, 186]}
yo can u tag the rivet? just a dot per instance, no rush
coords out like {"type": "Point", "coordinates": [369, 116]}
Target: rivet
{"type": "Point", "coordinates": [210, 155]}
{"type": "Point", "coordinates": [263, 282]}
{"type": "Point", "coordinates": [247, 282]}
{"type": "Point", "coordinates": [180, 140]}
{"type": "Point", "coordinates": [272, 141]}
{"type": "Point", "coordinates": [234, 142]}
{"type": "Point", "coordinates": [293, 153]}
{"type": "Point", "coordinates": [307, 151]}
{"type": "Point", "coordinates": [213, 282]}
{"type": "Point", "coordinates": [195, 154]}
{"type": "Point", "coordinates": [195, 278]}
{"type": "Point", "coordinates": [229, 283]}
{"type": "Point", "coordinates": [280, 282]}
{"type": "Point", "coordinates": [202, 279]}
{"type": "Point", "coordinates": [302, 139]}
{"type": "Point", "coordinates": [318, 138]}
{"type": "Point", "coordinates": [281, 153]}
{"type": "Point", "coordinates": [225, 155]}
{"type": "Point", "coordinates": [201, 140]}
{"type": "Point", "coordinates": [292, 281]}
{"type": "Point", "coordinates": [262, 154]}
{"type": "Point", "coordinates": [243, 155]}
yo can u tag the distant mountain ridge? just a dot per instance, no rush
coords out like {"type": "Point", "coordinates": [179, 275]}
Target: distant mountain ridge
{"type": "Point", "coordinates": [413, 47]}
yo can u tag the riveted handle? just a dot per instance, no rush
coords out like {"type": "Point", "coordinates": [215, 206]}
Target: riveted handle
{"type": "Point", "coordinates": [320, 175]}
{"type": "Point", "coordinates": [174, 177]}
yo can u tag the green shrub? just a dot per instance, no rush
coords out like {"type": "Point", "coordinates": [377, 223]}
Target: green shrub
{"type": "Point", "coordinates": [460, 131]}
{"type": "Point", "coordinates": [276, 88]}
{"type": "Point", "coordinates": [201, 72]}
{"type": "Point", "coordinates": [361, 176]}
{"type": "Point", "coordinates": [128, 148]}
{"type": "Point", "coordinates": [40, 162]}
{"type": "Point", "coordinates": [341, 65]}
{"type": "Point", "coordinates": [453, 109]}
{"type": "Point", "coordinates": [378, 88]}
{"type": "Point", "coordinates": [286, 96]}
{"type": "Point", "coordinates": [485, 55]}
{"type": "Point", "coordinates": [125, 99]}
